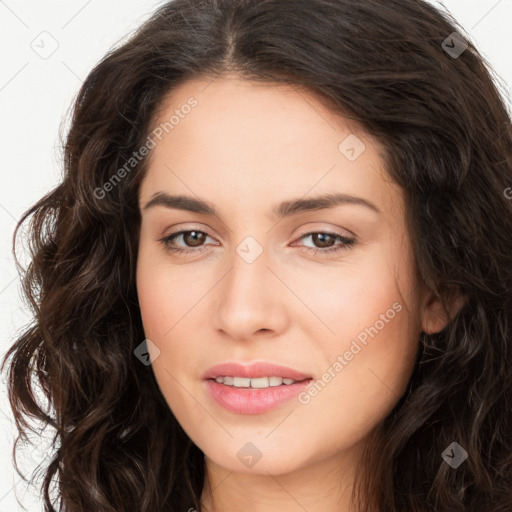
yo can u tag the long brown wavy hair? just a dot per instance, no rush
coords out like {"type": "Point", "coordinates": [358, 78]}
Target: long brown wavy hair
{"type": "Point", "coordinates": [390, 66]}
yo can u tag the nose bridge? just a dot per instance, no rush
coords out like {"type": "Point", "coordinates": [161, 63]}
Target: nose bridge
{"type": "Point", "coordinates": [244, 289]}
{"type": "Point", "coordinates": [248, 299]}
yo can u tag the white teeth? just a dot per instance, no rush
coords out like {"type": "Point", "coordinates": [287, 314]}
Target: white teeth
{"type": "Point", "coordinates": [258, 383]}
{"type": "Point", "coordinates": [275, 381]}
{"type": "Point", "coordinates": [262, 382]}
{"type": "Point", "coordinates": [241, 382]}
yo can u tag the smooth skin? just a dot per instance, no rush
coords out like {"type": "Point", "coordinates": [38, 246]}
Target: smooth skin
{"type": "Point", "coordinates": [244, 148]}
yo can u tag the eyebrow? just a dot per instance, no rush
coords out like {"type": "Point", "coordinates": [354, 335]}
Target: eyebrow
{"type": "Point", "coordinates": [284, 209]}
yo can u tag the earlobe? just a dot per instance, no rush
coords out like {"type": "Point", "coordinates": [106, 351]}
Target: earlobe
{"type": "Point", "coordinates": [434, 316]}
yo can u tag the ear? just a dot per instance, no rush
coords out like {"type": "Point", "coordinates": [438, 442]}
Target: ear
{"type": "Point", "coordinates": [434, 317]}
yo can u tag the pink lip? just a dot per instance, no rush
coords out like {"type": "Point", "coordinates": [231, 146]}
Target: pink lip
{"type": "Point", "coordinates": [253, 400]}
{"type": "Point", "coordinates": [254, 371]}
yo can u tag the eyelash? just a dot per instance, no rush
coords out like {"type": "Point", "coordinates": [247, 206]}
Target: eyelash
{"type": "Point", "coordinates": [346, 242]}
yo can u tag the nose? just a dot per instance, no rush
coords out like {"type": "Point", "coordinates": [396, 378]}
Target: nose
{"type": "Point", "coordinates": [251, 299]}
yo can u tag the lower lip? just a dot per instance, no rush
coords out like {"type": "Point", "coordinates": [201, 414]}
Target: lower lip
{"type": "Point", "coordinates": [253, 400]}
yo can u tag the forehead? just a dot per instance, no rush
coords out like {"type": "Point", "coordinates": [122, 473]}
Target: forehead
{"type": "Point", "coordinates": [252, 141]}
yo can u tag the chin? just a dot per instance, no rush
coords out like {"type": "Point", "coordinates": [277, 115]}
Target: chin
{"type": "Point", "coordinates": [257, 455]}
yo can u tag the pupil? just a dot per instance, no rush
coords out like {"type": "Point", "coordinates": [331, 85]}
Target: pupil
{"type": "Point", "coordinates": [196, 237]}
{"type": "Point", "coordinates": [323, 237]}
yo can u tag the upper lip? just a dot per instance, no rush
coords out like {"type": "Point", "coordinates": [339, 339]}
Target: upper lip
{"type": "Point", "coordinates": [254, 370]}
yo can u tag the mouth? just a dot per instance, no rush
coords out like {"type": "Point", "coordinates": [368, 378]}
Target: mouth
{"type": "Point", "coordinates": [253, 389]}
{"type": "Point", "coordinates": [256, 383]}
{"type": "Point", "coordinates": [254, 371]}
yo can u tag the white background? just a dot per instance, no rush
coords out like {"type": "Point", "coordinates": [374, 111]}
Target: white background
{"type": "Point", "coordinates": [35, 95]}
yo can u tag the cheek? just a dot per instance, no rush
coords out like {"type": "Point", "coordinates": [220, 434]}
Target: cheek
{"type": "Point", "coordinates": [372, 313]}
{"type": "Point", "coordinates": [153, 299]}
{"type": "Point", "coordinates": [365, 370]}
{"type": "Point", "coordinates": [172, 300]}
{"type": "Point", "coordinates": [352, 298]}
{"type": "Point", "coordinates": [163, 306]}
{"type": "Point", "coordinates": [164, 294]}
{"type": "Point", "coordinates": [375, 334]}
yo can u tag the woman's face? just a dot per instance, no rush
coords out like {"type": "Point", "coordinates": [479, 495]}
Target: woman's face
{"type": "Point", "coordinates": [274, 274]}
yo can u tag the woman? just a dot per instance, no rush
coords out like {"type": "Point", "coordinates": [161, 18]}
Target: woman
{"type": "Point", "coordinates": [277, 271]}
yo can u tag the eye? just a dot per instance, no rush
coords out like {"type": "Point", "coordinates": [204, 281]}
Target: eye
{"type": "Point", "coordinates": [191, 238]}
{"type": "Point", "coordinates": [325, 242]}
